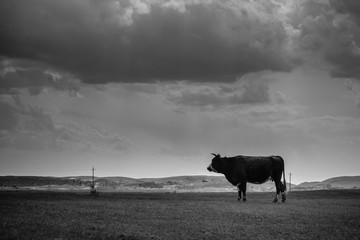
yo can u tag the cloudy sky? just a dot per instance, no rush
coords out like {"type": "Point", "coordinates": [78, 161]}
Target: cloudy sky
{"type": "Point", "coordinates": [149, 88]}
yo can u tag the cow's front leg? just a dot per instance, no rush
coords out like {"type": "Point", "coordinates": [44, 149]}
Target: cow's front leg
{"type": "Point", "coordinates": [243, 189]}
{"type": "Point", "coordinates": [239, 191]}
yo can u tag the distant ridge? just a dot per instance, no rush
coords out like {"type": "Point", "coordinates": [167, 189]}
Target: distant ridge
{"type": "Point", "coordinates": [192, 183]}
{"type": "Point", "coordinates": [344, 182]}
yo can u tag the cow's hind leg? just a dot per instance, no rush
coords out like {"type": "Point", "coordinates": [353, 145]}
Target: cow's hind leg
{"type": "Point", "coordinates": [277, 185]}
{"type": "Point", "coordinates": [282, 189]}
{"type": "Point", "coordinates": [241, 189]}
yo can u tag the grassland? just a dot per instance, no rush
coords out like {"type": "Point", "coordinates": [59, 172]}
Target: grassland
{"type": "Point", "coordinates": [331, 214]}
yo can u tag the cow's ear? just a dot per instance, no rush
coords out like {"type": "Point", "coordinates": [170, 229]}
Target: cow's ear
{"type": "Point", "coordinates": [216, 155]}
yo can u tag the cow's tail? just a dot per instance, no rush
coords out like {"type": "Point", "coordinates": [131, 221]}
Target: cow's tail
{"type": "Point", "coordinates": [283, 167]}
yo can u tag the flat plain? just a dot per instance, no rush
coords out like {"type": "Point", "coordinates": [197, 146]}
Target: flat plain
{"type": "Point", "coordinates": [328, 214]}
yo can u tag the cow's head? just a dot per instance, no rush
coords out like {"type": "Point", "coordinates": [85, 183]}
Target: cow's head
{"type": "Point", "coordinates": [214, 166]}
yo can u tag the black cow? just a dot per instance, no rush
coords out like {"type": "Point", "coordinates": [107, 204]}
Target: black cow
{"type": "Point", "coordinates": [241, 169]}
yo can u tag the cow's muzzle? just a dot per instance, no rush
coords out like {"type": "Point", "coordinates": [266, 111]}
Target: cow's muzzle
{"type": "Point", "coordinates": [210, 168]}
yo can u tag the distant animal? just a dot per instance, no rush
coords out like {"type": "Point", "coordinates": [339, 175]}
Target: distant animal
{"type": "Point", "coordinates": [240, 169]}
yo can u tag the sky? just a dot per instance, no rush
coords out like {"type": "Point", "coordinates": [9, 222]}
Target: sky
{"type": "Point", "coordinates": [150, 88]}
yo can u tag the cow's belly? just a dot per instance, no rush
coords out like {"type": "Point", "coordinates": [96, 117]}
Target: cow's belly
{"type": "Point", "coordinates": [258, 178]}
{"type": "Point", "coordinates": [258, 173]}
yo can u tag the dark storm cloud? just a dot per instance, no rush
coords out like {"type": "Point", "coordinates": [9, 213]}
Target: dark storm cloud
{"type": "Point", "coordinates": [347, 7]}
{"type": "Point", "coordinates": [331, 30]}
{"type": "Point", "coordinates": [34, 80]}
{"type": "Point", "coordinates": [19, 74]}
{"type": "Point", "coordinates": [347, 57]}
{"type": "Point", "coordinates": [104, 41]}
{"type": "Point", "coordinates": [28, 127]}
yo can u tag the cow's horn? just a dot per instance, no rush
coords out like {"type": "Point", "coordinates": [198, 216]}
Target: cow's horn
{"type": "Point", "coordinates": [213, 154]}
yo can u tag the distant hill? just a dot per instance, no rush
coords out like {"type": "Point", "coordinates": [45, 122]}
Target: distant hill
{"type": "Point", "coordinates": [346, 182]}
{"type": "Point", "coordinates": [200, 183]}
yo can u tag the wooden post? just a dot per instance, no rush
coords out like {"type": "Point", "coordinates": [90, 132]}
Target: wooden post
{"type": "Point", "coordinates": [290, 182]}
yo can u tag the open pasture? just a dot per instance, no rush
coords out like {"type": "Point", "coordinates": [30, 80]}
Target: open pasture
{"type": "Point", "coordinates": [331, 214]}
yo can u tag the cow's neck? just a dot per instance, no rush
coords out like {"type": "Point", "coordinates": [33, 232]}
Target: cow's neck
{"type": "Point", "coordinates": [232, 179]}
{"type": "Point", "coordinates": [227, 170]}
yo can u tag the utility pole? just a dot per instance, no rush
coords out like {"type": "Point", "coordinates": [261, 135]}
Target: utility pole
{"type": "Point", "coordinates": [93, 183]}
{"type": "Point", "coordinates": [93, 191]}
{"type": "Point", "coordinates": [290, 182]}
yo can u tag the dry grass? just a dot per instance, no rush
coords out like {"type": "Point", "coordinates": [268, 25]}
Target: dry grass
{"type": "Point", "coordinates": [61, 215]}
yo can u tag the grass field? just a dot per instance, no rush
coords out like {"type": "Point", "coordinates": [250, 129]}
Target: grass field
{"type": "Point", "coordinates": [63, 215]}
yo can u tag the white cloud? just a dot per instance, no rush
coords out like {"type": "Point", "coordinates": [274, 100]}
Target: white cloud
{"type": "Point", "coordinates": [354, 87]}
